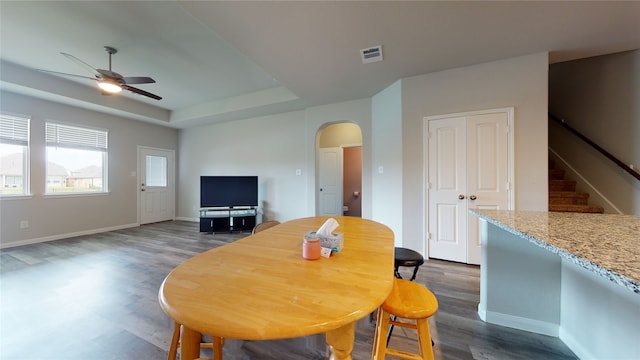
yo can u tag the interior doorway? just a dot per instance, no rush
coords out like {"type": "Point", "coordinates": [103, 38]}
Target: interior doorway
{"type": "Point", "coordinates": [339, 170]}
{"type": "Point", "coordinates": [352, 180]}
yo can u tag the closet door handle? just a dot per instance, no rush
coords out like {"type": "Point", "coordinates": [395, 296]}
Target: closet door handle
{"type": "Point", "coordinates": [461, 197]}
{"type": "Point", "coordinates": [472, 197]}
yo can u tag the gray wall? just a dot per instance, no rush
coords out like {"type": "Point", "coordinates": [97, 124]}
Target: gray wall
{"type": "Point", "coordinates": [270, 147]}
{"type": "Point", "coordinates": [519, 82]}
{"type": "Point", "coordinates": [57, 217]}
{"type": "Point", "coordinates": [274, 147]}
{"type": "Point", "coordinates": [600, 97]}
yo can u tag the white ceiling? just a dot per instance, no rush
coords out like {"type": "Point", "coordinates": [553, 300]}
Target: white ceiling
{"type": "Point", "coordinates": [223, 60]}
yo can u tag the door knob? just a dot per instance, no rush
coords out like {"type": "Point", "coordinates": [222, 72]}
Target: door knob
{"type": "Point", "coordinates": [461, 197]}
{"type": "Point", "coordinates": [472, 197]}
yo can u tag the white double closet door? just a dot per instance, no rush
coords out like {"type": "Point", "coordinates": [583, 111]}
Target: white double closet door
{"type": "Point", "coordinates": [469, 167]}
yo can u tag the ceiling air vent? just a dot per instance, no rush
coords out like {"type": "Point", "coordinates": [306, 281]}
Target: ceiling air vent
{"type": "Point", "coordinates": [371, 54]}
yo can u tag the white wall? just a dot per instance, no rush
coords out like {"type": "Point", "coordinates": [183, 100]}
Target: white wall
{"type": "Point", "coordinates": [387, 155]}
{"type": "Point", "coordinates": [613, 315]}
{"type": "Point", "coordinates": [271, 147]}
{"type": "Point", "coordinates": [53, 218]}
{"type": "Point", "coordinates": [599, 97]}
{"type": "Point", "coordinates": [519, 82]}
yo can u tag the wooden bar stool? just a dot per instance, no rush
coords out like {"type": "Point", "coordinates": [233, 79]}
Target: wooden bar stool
{"type": "Point", "coordinates": [409, 258]}
{"type": "Point", "coordinates": [412, 302]}
{"type": "Point", "coordinates": [216, 345]}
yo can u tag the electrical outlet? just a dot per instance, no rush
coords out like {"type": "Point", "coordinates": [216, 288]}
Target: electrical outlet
{"type": "Point", "coordinates": [24, 224]}
{"type": "Point", "coordinates": [298, 172]}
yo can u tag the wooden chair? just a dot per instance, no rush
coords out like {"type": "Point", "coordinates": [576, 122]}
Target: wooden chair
{"type": "Point", "coordinates": [410, 301]}
{"type": "Point", "coordinates": [264, 226]}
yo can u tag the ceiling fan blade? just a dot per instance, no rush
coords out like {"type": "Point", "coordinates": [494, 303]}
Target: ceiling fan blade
{"type": "Point", "coordinates": [138, 80]}
{"type": "Point", "coordinates": [65, 74]}
{"type": "Point", "coordinates": [141, 92]}
{"type": "Point", "coordinates": [83, 64]}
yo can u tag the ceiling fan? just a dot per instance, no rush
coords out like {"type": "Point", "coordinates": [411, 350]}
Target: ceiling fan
{"type": "Point", "coordinates": [110, 82]}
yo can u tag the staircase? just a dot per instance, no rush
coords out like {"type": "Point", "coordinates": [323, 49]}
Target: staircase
{"type": "Point", "coordinates": [563, 196]}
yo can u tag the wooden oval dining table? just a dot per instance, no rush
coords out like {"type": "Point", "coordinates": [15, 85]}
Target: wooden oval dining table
{"type": "Point", "coordinates": [261, 288]}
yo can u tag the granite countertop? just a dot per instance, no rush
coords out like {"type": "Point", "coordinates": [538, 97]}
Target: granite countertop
{"type": "Point", "coordinates": [606, 244]}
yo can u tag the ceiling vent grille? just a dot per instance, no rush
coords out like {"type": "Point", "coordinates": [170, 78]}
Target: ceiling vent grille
{"type": "Point", "coordinates": [371, 54]}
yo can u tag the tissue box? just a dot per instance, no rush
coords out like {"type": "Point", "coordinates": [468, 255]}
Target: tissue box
{"type": "Point", "coordinates": [333, 241]}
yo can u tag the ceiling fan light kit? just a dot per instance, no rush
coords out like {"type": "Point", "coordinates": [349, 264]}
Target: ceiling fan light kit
{"type": "Point", "coordinates": [109, 86]}
{"type": "Point", "coordinates": [110, 82]}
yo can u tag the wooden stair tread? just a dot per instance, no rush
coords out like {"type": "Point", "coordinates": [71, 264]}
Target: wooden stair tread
{"type": "Point", "coordinates": [563, 196]}
{"type": "Point", "coordinates": [562, 181]}
{"type": "Point", "coordinates": [568, 197]}
{"type": "Point", "coordinates": [576, 208]}
{"type": "Point", "coordinates": [571, 194]}
{"type": "Point", "coordinates": [562, 185]}
{"type": "Point", "coordinates": [556, 174]}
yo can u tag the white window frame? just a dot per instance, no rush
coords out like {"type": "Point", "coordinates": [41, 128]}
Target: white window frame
{"type": "Point", "coordinates": [61, 135]}
{"type": "Point", "coordinates": [15, 130]}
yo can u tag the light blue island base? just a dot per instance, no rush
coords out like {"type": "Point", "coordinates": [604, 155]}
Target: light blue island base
{"type": "Point", "coordinates": [537, 288]}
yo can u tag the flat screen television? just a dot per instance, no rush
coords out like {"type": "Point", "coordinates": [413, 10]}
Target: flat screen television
{"type": "Point", "coordinates": [228, 191]}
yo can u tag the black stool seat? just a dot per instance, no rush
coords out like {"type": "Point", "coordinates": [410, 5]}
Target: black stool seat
{"type": "Point", "coordinates": [409, 258]}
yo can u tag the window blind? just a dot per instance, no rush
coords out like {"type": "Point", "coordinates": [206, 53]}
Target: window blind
{"type": "Point", "coordinates": [14, 130]}
{"type": "Point", "coordinates": [75, 137]}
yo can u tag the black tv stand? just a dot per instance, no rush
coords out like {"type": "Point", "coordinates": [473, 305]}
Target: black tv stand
{"type": "Point", "coordinates": [228, 219]}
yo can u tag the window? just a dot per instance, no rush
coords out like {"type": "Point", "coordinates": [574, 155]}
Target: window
{"type": "Point", "coordinates": [156, 171]}
{"type": "Point", "coordinates": [76, 159]}
{"type": "Point", "coordinates": [14, 155]}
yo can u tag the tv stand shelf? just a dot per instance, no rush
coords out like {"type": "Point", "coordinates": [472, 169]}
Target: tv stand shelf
{"type": "Point", "coordinates": [227, 219]}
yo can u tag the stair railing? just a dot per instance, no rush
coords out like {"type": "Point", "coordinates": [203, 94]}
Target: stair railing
{"type": "Point", "coordinates": [604, 152]}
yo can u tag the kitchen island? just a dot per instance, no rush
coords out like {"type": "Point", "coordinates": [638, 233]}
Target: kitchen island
{"type": "Point", "coordinates": [569, 275]}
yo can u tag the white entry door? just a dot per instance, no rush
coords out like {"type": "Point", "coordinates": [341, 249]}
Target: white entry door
{"type": "Point", "coordinates": [469, 168]}
{"type": "Point", "coordinates": [330, 181]}
{"type": "Point", "coordinates": [157, 190]}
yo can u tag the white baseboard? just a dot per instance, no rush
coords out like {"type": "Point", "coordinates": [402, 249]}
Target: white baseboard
{"type": "Point", "coordinates": [482, 312]}
{"type": "Point", "coordinates": [574, 345]}
{"type": "Point", "coordinates": [188, 219]}
{"type": "Point", "coordinates": [65, 236]}
{"type": "Point", "coordinates": [520, 323]}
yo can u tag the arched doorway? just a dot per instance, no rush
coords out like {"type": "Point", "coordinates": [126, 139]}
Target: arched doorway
{"type": "Point", "coordinates": [339, 170]}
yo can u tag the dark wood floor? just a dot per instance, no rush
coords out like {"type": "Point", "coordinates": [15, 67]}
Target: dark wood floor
{"type": "Point", "coordinates": [95, 297]}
